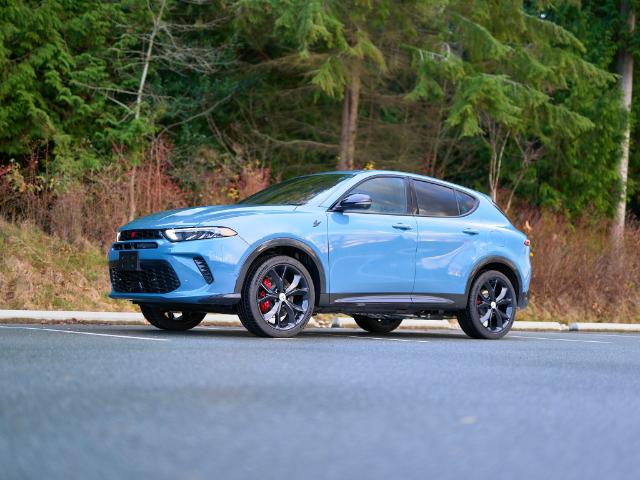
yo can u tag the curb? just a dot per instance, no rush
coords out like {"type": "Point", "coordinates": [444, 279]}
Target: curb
{"type": "Point", "coordinates": [604, 327]}
{"type": "Point", "coordinates": [540, 326]}
{"type": "Point", "coordinates": [133, 318]}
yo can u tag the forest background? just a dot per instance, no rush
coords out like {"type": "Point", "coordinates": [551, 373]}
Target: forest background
{"type": "Point", "coordinates": [112, 110]}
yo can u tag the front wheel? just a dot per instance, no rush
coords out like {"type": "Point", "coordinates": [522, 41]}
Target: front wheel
{"type": "Point", "coordinates": [168, 320]}
{"type": "Point", "coordinates": [377, 325]}
{"type": "Point", "coordinates": [277, 297]}
{"type": "Point", "coordinates": [491, 307]}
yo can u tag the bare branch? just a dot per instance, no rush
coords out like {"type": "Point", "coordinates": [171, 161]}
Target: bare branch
{"type": "Point", "coordinates": [301, 143]}
{"type": "Point", "coordinates": [198, 115]}
{"type": "Point", "coordinates": [143, 78]}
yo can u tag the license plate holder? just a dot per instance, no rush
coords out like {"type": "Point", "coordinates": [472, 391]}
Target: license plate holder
{"type": "Point", "coordinates": [129, 261]}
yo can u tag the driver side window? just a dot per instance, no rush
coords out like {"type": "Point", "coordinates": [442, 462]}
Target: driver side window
{"type": "Point", "coordinates": [388, 195]}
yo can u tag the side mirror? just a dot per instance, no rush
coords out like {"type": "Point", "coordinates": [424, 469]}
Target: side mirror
{"type": "Point", "coordinates": [355, 201]}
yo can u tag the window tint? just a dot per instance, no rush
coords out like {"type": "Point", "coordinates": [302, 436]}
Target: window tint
{"type": "Point", "coordinates": [388, 194]}
{"type": "Point", "coordinates": [466, 202]}
{"type": "Point", "coordinates": [296, 191]}
{"type": "Point", "coordinates": [435, 200]}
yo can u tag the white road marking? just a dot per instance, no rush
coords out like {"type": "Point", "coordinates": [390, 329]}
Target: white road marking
{"type": "Point", "coordinates": [387, 339]}
{"type": "Point", "coordinates": [557, 339]}
{"type": "Point", "coordinates": [88, 333]}
{"type": "Point", "coordinates": [632, 335]}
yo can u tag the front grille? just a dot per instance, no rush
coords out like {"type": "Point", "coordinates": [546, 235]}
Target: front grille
{"type": "Point", "coordinates": [143, 234]}
{"type": "Point", "coordinates": [135, 246]}
{"type": "Point", "coordinates": [154, 276]}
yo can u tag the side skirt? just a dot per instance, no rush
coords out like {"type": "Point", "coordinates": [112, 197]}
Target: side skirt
{"type": "Point", "coordinates": [391, 303]}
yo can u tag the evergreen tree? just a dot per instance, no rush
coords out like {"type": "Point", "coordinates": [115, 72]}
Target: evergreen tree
{"type": "Point", "coordinates": [510, 68]}
{"type": "Point", "coordinates": [49, 52]}
{"type": "Point", "coordinates": [342, 43]}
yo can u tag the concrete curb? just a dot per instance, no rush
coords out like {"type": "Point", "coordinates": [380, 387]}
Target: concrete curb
{"type": "Point", "coordinates": [133, 318]}
{"type": "Point", "coordinates": [604, 327]}
{"type": "Point", "coordinates": [540, 326]}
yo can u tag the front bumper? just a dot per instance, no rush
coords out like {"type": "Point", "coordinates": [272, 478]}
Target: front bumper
{"type": "Point", "coordinates": [222, 256]}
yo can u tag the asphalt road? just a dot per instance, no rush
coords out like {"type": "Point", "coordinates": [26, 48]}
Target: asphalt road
{"type": "Point", "coordinates": [108, 402]}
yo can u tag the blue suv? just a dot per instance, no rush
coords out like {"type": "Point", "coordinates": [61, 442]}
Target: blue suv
{"type": "Point", "coordinates": [379, 246]}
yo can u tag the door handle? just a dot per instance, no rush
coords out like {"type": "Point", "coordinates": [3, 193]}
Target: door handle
{"type": "Point", "coordinates": [470, 231]}
{"type": "Point", "coordinates": [402, 226]}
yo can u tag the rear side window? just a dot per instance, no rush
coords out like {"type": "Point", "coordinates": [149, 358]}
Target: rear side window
{"type": "Point", "coordinates": [435, 200]}
{"type": "Point", "coordinates": [466, 202]}
{"type": "Point", "coordinates": [388, 195]}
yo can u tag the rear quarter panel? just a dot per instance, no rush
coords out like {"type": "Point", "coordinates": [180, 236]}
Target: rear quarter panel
{"type": "Point", "coordinates": [504, 241]}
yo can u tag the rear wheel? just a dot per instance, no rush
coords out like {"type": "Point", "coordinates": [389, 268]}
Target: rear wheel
{"type": "Point", "coordinates": [491, 307]}
{"type": "Point", "coordinates": [277, 297]}
{"type": "Point", "coordinates": [377, 324]}
{"type": "Point", "coordinates": [170, 320]}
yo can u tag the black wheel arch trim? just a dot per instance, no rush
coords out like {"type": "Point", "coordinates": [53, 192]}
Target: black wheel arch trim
{"type": "Point", "coordinates": [281, 242]}
{"type": "Point", "coordinates": [500, 260]}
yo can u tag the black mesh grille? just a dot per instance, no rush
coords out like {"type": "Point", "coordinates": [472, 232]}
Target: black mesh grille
{"type": "Point", "coordinates": [154, 276]}
{"type": "Point", "coordinates": [135, 246]}
{"type": "Point", "coordinates": [143, 234]}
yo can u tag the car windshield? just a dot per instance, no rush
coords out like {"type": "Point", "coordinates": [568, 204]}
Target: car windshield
{"type": "Point", "coordinates": [296, 191]}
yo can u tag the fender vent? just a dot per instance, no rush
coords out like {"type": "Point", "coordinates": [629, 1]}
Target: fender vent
{"type": "Point", "coordinates": [204, 269]}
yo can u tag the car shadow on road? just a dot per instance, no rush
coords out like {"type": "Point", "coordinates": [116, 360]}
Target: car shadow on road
{"type": "Point", "coordinates": [313, 333]}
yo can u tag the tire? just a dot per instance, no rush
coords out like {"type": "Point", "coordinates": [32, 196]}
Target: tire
{"type": "Point", "coordinates": [376, 325]}
{"type": "Point", "coordinates": [262, 308]}
{"type": "Point", "coordinates": [167, 320]}
{"type": "Point", "coordinates": [491, 307]}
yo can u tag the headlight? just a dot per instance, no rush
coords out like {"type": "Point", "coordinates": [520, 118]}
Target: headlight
{"type": "Point", "coordinates": [197, 233]}
{"type": "Point", "coordinates": [117, 236]}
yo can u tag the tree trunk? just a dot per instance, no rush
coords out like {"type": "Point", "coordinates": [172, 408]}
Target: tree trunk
{"type": "Point", "coordinates": [132, 193]}
{"type": "Point", "coordinates": [349, 128]}
{"type": "Point", "coordinates": [498, 138]}
{"type": "Point", "coordinates": [493, 183]}
{"type": "Point", "coordinates": [157, 22]}
{"type": "Point", "coordinates": [625, 70]}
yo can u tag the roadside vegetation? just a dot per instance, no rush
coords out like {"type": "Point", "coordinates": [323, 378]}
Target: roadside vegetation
{"type": "Point", "coordinates": [43, 272]}
{"type": "Point", "coordinates": [577, 276]}
{"type": "Point", "coordinates": [112, 110]}
{"type": "Point", "coordinates": [575, 279]}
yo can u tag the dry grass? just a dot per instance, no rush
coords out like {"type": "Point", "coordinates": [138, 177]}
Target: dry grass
{"type": "Point", "coordinates": [40, 271]}
{"type": "Point", "coordinates": [576, 277]}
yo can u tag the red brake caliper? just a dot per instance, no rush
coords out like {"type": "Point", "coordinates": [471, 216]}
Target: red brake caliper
{"type": "Point", "coordinates": [265, 305]}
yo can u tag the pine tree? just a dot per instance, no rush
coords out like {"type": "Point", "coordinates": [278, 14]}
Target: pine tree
{"type": "Point", "coordinates": [343, 45]}
{"type": "Point", "coordinates": [507, 65]}
{"type": "Point", "coordinates": [48, 50]}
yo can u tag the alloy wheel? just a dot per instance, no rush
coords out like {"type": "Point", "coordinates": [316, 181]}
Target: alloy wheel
{"type": "Point", "coordinates": [283, 297]}
{"type": "Point", "coordinates": [495, 305]}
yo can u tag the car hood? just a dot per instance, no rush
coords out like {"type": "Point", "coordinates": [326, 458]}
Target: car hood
{"type": "Point", "coordinates": [203, 216]}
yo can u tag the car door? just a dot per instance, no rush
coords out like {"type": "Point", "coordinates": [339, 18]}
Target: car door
{"type": "Point", "coordinates": [372, 251]}
{"type": "Point", "coordinates": [449, 242]}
